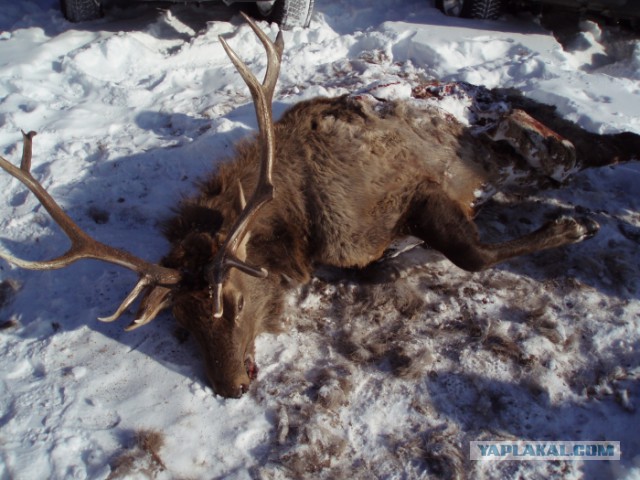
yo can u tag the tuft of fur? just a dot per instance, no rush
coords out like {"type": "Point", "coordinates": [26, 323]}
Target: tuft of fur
{"type": "Point", "coordinates": [142, 457]}
{"type": "Point", "coordinates": [8, 290]}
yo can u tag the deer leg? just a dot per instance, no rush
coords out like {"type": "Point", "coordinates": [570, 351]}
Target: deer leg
{"type": "Point", "coordinates": [444, 226]}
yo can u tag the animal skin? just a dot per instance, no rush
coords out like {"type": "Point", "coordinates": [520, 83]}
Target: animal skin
{"type": "Point", "coordinates": [349, 175]}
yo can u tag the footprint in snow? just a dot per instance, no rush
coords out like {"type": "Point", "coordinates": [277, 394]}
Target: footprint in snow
{"type": "Point", "coordinates": [19, 199]}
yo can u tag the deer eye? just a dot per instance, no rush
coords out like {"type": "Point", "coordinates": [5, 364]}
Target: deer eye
{"type": "Point", "coordinates": [240, 305]}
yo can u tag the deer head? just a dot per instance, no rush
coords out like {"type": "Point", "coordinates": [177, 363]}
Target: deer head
{"type": "Point", "coordinates": [214, 305]}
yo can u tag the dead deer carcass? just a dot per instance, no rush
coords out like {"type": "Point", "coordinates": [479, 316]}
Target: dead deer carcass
{"type": "Point", "coordinates": [334, 182]}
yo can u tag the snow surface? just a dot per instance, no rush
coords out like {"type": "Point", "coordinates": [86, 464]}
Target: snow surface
{"type": "Point", "coordinates": [370, 381]}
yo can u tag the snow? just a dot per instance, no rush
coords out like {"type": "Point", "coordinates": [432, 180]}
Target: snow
{"type": "Point", "coordinates": [370, 381]}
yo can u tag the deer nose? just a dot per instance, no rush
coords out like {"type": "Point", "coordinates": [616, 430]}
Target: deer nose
{"type": "Point", "coordinates": [231, 391]}
{"type": "Point", "coordinates": [237, 390]}
{"type": "Point", "coordinates": [244, 388]}
{"type": "Point", "coordinates": [238, 387]}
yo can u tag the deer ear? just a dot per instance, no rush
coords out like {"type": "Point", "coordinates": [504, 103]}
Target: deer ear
{"type": "Point", "coordinates": [241, 201]}
{"type": "Point", "coordinates": [242, 248]}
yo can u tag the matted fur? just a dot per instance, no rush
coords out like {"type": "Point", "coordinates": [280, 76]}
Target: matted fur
{"type": "Point", "coordinates": [351, 175]}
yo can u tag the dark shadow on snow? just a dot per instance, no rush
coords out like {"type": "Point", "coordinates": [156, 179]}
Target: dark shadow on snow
{"type": "Point", "coordinates": [490, 409]}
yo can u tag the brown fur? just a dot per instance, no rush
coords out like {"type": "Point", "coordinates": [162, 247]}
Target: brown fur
{"type": "Point", "coordinates": [350, 177]}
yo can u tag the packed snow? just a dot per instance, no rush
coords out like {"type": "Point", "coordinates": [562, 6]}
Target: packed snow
{"type": "Point", "coordinates": [370, 380]}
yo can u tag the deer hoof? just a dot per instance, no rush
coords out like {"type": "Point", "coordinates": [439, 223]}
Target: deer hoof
{"type": "Point", "coordinates": [578, 229]}
{"type": "Point", "coordinates": [589, 226]}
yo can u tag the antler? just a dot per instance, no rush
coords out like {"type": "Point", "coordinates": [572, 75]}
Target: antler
{"type": "Point", "coordinates": [83, 245]}
{"type": "Point", "coordinates": [262, 94]}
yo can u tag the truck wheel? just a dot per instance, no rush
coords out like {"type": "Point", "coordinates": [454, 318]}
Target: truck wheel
{"type": "Point", "coordinates": [486, 9]}
{"type": "Point", "coordinates": [451, 8]}
{"type": "Point", "coordinates": [80, 10]}
{"type": "Point", "coordinates": [287, 13]}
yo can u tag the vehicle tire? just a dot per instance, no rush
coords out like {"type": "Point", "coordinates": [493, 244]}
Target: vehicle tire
{"type": "Point", "coordinates": [286, 13]}
{"type": "Point", "coordinates": [486, 9]}
{"type": "Point", "coordinates": [451, 8]}
{"type": "Point", "coordinates": [80, 10]}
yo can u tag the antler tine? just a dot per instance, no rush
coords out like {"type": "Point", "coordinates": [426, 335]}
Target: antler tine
{"type": "Point", "coordinates": [82, 245]}
{"type": "Point", "coordinates": [27, 148]}
{"type": "Point", "coordinates": [262, 95]}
